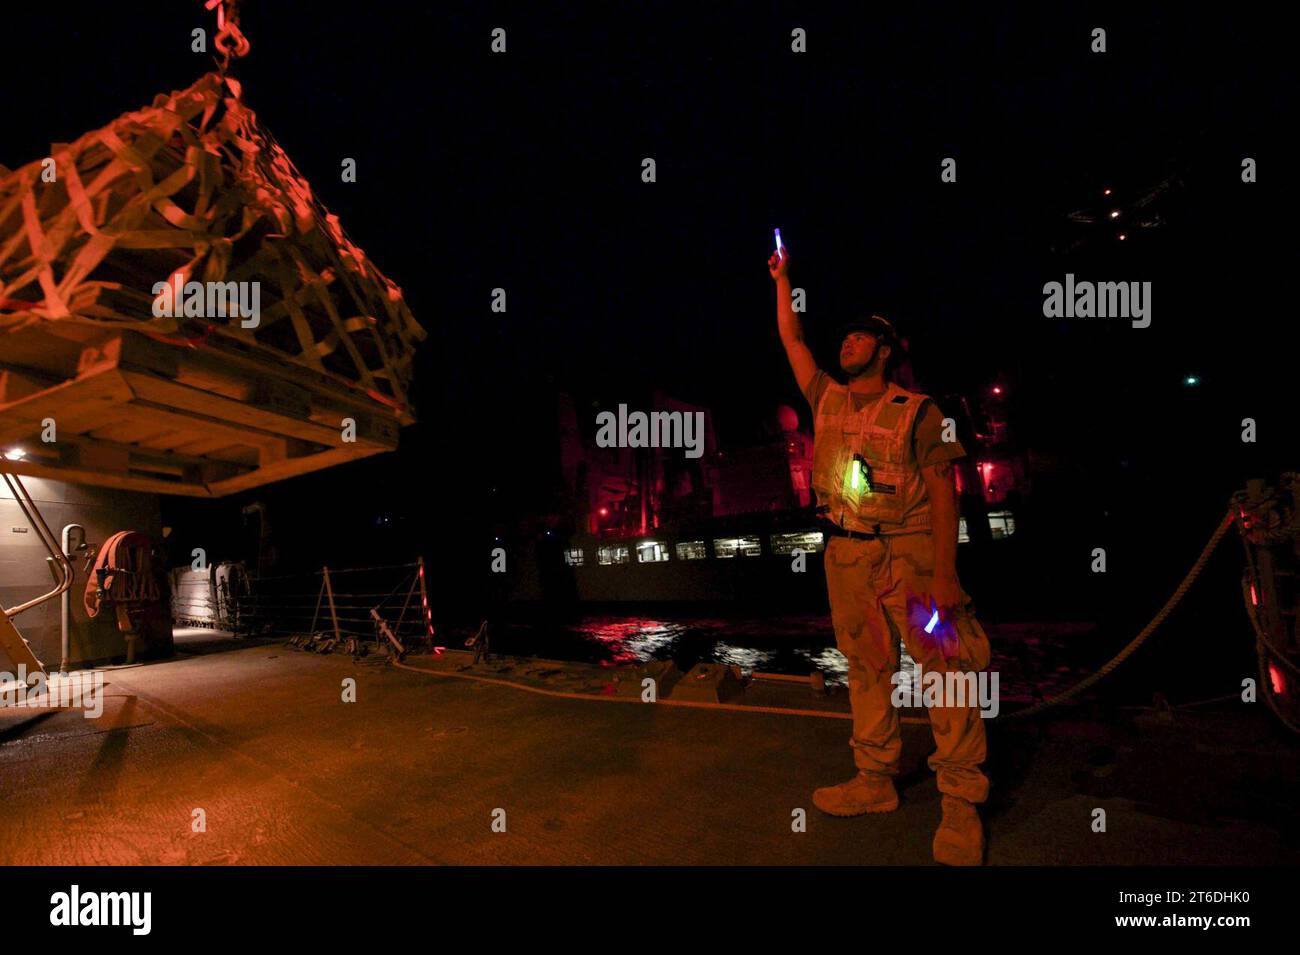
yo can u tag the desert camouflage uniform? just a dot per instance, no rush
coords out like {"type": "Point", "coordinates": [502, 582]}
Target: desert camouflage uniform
{"type": "Point", "coordinates": [874, 584]}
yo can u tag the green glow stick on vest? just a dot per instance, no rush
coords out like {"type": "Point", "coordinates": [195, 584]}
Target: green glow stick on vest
{"type": "Point", "coordinates": [859, 473]}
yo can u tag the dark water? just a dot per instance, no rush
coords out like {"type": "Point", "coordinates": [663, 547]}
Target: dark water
{"type": "Point", "coordinates": [1032, 659]}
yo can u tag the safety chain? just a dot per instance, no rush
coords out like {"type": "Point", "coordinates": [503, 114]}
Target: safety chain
{"type": "Point", "coordinates": [229, 41]}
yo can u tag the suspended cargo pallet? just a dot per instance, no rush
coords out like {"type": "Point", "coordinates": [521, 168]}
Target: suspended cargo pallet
{"type": "Point", "coordinates": [141, 395]}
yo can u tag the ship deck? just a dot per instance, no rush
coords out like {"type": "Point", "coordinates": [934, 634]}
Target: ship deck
{"type": "Point", "coordinates": [412, 772]}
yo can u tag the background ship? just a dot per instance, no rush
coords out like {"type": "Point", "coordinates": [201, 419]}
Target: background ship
{"type": "Point", "coordinates": [653, 526]}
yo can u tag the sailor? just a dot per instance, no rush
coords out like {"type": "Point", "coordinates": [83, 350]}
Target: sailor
{"type": "Point", "coordinates": [884, 477]}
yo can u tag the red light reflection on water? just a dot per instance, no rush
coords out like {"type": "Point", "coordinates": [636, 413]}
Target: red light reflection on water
{"type": "Point", "coordinates": [630, 639]}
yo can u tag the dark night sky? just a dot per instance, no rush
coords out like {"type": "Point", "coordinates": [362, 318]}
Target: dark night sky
{"type": "Point", "coordinates": [523, 171]}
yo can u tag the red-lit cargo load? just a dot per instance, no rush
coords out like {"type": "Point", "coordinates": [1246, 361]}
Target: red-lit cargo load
{"type": "Point", "coordinates": [102, 382]}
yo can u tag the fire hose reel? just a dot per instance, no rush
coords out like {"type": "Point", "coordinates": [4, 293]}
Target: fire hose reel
{"type": "Point", "coordinates": [124, 579]}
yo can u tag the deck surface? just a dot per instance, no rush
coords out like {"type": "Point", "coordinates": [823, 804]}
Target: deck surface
{"type": "Point", "coordinates": [412, 772]}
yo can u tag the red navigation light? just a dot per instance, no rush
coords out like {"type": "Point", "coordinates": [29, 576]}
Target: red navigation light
{"type": "Point", "coordinates": [604, 512]}
{"type": "Point", "coordinates": [1105, 192]}
{"type": "Point", "coordinates": [1275, 677]}
{"type": "Point", "coordinates": [997, 390]}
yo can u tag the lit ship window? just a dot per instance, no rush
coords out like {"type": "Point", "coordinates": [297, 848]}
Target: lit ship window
{"type": "Point", "coordinates": [1001, 524]}
{"type": "Point", "coordinates": [731, 546]}
{"type": "Point", "coordinates": [810, 542]}
{"type": "Point", "coordinates": [692, 550]}
{"type": "Point", "coordinates": [573, 556]}
{"type": "Point", "coordinates": [614, 554]}
{"type": "Point", "coordinates": [651, 552]}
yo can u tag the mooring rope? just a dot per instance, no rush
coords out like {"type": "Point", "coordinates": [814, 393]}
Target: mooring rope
{"type": "Point", "coordinates": [1146, 631]}
{"type": "Point", "coordinates": [1263, 644]}
{"type": "Point", "coordinates": [606, 698]}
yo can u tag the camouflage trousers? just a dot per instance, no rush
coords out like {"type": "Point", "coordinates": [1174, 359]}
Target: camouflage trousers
{"type": "Point", "coordinates": [874, 587]}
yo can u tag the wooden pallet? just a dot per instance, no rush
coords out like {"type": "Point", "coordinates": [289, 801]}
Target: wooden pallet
{"type": "Point", "coordinates": [137, 414]}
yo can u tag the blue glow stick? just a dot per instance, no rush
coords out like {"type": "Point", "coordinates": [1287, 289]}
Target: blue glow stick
{"type": "Point", "coordinates": [934, 620]}
{"type": "Point", "coordinates": [779, 245]}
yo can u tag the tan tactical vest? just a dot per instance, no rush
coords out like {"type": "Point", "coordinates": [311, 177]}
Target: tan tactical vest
{"type": "Point", "coordinates": [887, 496]}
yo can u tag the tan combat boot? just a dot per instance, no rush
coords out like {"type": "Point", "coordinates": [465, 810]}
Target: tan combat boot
{"type": "Point", "coordinates": [960, 839]}
{"type": "Point", "coordinates": [865, 792]}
